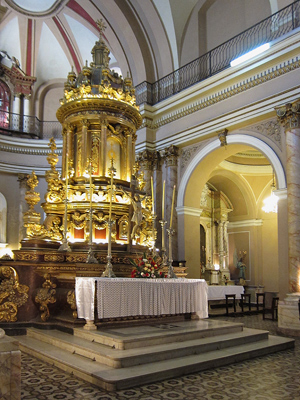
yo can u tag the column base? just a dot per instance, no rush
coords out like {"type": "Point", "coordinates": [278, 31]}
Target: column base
{"type": "Point", "coordinates": [90, 325]}
{"type": "Point", "coordinates": [288, 315]}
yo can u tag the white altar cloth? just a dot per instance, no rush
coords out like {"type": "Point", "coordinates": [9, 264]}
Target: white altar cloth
{"type": "Point", "coordinates": [122, 297]}
{"type": "Point", "coordinates": [218, 292]}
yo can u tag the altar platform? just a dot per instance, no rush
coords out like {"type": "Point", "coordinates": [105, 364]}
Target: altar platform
{"type": "Point", "coordinates": [117, 357]}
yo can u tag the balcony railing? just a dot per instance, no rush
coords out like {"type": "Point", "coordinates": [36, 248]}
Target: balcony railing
{"type": "Point", "coordinates": [218, 59]}
{"type": "Point", "coordinates": [12, 124]}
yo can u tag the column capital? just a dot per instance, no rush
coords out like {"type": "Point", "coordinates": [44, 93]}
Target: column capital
{"type": "Point", "coordinates": [104, 121]}
{"type": "Point", "coordinates": [289, 115]}
{"type": "Point", "coordinates": [85, 122]}
{"type": "Point", "coordinates": [157, 161]}
{"type": "Point", "coordinates": [67, 128]}
{"type": "Point", "coordinates": [171, 155]}
{"type": "Point", "coordinates": [146, 158]}
{"type": "Point", "coordinates": [22, 179]}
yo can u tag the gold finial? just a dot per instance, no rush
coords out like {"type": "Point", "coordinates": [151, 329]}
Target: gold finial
{"type": "Point", "coordinates": [102, 26]}
{"type": "Point", "coordinates": [111, 169]}
{"type": "Point", "coordinates": [32, 180]}
{"type": "Point", "coordinates": [52, 144]}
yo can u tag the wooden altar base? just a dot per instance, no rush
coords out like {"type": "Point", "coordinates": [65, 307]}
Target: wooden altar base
{"type": "Point", "coordinates": [116, 358]}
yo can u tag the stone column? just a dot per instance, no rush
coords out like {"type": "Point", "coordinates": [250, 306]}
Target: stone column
{"type": "Point", "coordinates": [171, 161]}
{"type": "Point", "coordinates": [27, 126]}
{"type": "Point", "coordinates": [15, 122]}
{"type": "Point", "coordinates": [225, 245]}
{"type": "Point", "coordinates": [157, 184]}
{"type": "Point", "coordinates": [289, 116]}
{"type": "Point", "coordinates": [221, 243]}
{"type": "Point", "coordinates": [288, 313]}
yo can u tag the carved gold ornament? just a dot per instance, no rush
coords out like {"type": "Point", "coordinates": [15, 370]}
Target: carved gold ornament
{"type": "Point", "coordinates": [71, 299]}
{"type": "Point", "coordinates": [12, 294]}
{"type": "Point", "coordinates": [45, 296]}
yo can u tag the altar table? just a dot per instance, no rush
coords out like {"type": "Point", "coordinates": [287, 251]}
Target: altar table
{"type": "Point", "coordinates": [122, 297]}
{"type": "Point", "coordinates": [219, 292]}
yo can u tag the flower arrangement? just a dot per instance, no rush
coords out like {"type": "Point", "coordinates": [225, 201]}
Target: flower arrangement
{"type": "Point", "coordinates": [147, 267]}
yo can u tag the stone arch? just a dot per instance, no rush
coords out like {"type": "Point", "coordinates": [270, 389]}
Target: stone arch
{"type": "Point", "coordinates": [239, 139]}
{"type": "Point", "coordinates": [193, 181]}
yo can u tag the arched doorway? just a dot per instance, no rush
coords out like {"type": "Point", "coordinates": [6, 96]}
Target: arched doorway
{"type": "Point", "coordinates": [248, 225]}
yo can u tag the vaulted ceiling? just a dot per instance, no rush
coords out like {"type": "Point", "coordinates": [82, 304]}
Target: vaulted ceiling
{"type": "Point", "coordinates": [148, 38]}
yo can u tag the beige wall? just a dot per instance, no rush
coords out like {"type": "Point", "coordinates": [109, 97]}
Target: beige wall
{"type": "Point", "coordinates": [227, 18]}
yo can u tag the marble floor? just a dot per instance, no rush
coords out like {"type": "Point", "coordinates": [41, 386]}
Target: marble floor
{"type": "Point", "coordinates": [273, 377]}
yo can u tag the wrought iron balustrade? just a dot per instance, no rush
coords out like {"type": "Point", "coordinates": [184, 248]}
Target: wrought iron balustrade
{"type": "Point", "coordinates": [26, 126]}
{"type": "Point", "coordinates": [219, 58]}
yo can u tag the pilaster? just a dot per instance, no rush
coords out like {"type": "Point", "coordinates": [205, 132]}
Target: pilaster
{"type": "Point", "coordinates": [170, 156]}
{"type": "Point", "coordinates": [288, 312]}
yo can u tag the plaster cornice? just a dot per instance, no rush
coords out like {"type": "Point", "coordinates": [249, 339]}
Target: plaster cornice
{"type": "Point", "coordinates": [245, 223]}
{"type": "Point", "coordinates": [217, 97]}
{"type": "Point", "coordinates": [24, 169]}
{"type": "Point", "coordinates": [28, 146]}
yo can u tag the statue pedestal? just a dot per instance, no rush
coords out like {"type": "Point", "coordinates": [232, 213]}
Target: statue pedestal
{"type": "Point", "coordinates": [214, 277]}
{"type": "Point", "coordinates": [288, 315]}
{"type": "Point", "coordinates": [10, 368]}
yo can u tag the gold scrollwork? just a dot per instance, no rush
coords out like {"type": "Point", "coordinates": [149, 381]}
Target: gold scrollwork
{"type": "Point", "coordinates": [45, 296]}
{"type": "Point", "coordinates": [49, 230]}
{"type": "Point", "coordinates": [26, 257]}
{"type": "Point", "coordinates": [76, 258]}
{"type": "Point", "coordinates": [71, 299]}
{"type": "Point", "coordinates": [12, 294]}
{"type": "Point", "coordinates": [54, 257]}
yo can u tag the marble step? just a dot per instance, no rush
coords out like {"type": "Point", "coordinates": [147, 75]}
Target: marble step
{"type": "Point", "coordinates": [150, 335]}
{"type": "Point", "coordinates": [136, 356]}
{"type": "Point", "coordinates": [144, 374]}
{"type": "Point", "coordinates": [109, 378]}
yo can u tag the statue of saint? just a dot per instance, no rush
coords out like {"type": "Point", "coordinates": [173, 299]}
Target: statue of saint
{"type": "Point", "coordinates": [242, 266]}
{"type": "Point", "coordinates": [137, 214]}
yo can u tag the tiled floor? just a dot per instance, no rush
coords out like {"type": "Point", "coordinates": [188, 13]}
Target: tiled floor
{"type": "Point", "coordinates": [274, 377]}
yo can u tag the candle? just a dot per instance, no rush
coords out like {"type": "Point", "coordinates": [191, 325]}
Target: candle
{"type": "Point", "coordinates": [172, 209]}
{"type": "Point", "coordinates": [111, 186]}
{"type": "Point", "coordinates": [67, 172]}
{"type": "Point", "coordinates": [152, 193]}
{"type": "Point", "coordinates": [91, 189]}
{"type": "Point", "coordinates": [163, 201]}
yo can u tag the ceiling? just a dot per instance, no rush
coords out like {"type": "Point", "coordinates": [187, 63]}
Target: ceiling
{"type": "Point", "coordinates": [148, 38]}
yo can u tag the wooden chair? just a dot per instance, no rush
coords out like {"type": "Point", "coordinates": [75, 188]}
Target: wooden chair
{"type": "Point", "coordinates": [244, 297]}
{"type": "Point", "coordinates": [271, 305]}
{"type": "Point", "coordinates": [228, 297]}
{"type": "Point", "coordinates": [260, 302]}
